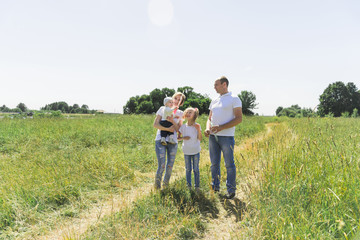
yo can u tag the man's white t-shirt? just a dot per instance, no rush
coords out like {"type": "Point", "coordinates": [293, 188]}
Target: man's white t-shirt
{"type": "Point", "coordinates": [177, 117]}
{"type": "Point", "coordinates": [222, 110]}
{"type": "Point", "coordinates": [191, 146]}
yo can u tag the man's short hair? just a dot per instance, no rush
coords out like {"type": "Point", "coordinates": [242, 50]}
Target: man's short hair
{"type": "Point", "coordinates": [224, 80]}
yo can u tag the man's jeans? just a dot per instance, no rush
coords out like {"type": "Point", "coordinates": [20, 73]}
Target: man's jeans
{"type": "Point", "coordinates": [192, 162]}
{"type": "Point", "coordinates": [164, 153]}
{"type": "Point", "coordinates": [217, 145]}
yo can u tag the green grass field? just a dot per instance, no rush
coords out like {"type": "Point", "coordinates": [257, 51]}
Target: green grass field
{"type": "Point", "coordinates": [300, 183]}
{"type": "Point", "coordinates": [309, 181]}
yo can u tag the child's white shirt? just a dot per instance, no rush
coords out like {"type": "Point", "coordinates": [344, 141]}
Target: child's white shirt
{"type": "Point", "coordinates": [167, 113]}
{"type": "Point", "coordinates": [177, 117]}
{"type": "Point", "coordinates": [191, 146]}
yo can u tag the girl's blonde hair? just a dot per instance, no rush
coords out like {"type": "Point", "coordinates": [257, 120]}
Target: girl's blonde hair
{"type": "Point", "coordinates": [182, 97]}
{"type": "Point", "coordinates": [196, 111]}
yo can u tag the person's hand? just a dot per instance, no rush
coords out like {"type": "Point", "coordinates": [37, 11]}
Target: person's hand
{"type": "Point", "coordinates": [170, 119]}
{"type": "Point", "coordinates": [207, 132]}
{"type": "Point", "coordinates": [216, 128]}
{"type": "Point", "coordinates": [186, 137]}
{"type": "Point", "coordinates": [171, 129]}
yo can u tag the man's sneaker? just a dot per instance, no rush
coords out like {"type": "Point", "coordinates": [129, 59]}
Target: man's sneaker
{"type": "Point", "coordinates": [230, 195]}
{"type": "Point", "coordinates": [216, 191]}
{"type": "Point", "coordinates": [171, 140]}
{"type": "Point", "coordinates": [163, 141]}
{"type": "Point", "coordinates": [165, 185]}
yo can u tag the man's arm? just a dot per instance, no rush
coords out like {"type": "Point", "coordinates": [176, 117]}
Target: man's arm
{"type": "Point", "coordinates": [232, 123]}
{"type": "Point", "coordinates": [208, 125]}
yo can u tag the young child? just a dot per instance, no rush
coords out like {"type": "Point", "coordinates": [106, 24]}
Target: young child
{"type": "Point", "coordinates": [168, 111]}
{"type": "Point", "coordinates": [191, 134]}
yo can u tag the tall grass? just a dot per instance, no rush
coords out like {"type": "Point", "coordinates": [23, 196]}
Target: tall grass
{"type": "Point", "coordinates": [176, 212]}
{"type": "Point", "coordinates": [54, 168]}
{"type": "Point", "coordinates": [309, 184]}
{"type": "Point", "coordinates": [61, 166]}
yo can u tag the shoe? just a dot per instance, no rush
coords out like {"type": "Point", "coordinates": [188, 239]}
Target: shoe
{"type": "Point", "coordinates": [165, 185]}
{"type": "Point", "coordinates": [230, 195]}
{"type": "Point", "coordinates": [171, 141]}
{"type": "Point", "coordinates": [163, 141]}
{"type": "Point", "coordinates": [216, 191]}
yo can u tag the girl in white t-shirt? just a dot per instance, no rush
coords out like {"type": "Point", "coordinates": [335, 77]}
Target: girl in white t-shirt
{"type": "Point", "coordinates": [191, 135]}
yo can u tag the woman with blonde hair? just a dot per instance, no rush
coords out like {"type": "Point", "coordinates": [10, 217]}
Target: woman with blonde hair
{"type": "Point", "coordinates": [166, 153]}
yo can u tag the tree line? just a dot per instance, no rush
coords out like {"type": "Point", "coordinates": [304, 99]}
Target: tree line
{"type": "Point", "coordinates": [150, 103]}
{"type": "Point", "coordinates": [338, 99]}
{"type": "Point", "coordinates": [21, 107]}
{"type": "Point", "coordinates": [63, 107]}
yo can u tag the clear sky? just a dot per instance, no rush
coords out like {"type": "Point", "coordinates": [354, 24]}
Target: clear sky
{"type": "Point", "coordinates": [101, 53]}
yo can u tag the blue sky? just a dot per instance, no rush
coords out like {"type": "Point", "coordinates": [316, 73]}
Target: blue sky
{"type": "Point", "coordinates": [101, 53]}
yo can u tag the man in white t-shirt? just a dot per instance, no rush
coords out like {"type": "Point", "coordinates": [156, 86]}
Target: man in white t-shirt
{"type": "Point", "coordinates": [225, 114]}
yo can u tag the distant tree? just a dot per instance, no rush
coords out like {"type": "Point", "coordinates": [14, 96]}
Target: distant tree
{"type": "Point", "coordinates": [248, 100]}
{"type": "Point", "coordinates": [307, 112]}
{"type": "Point", "coordinates": [65, 108]}
{"type": "Point", "coordinates": [74, 108]}
{"type": "Point", "coordinates": [147, 104]}
{"type": "Point", "coordinates": [296, 106]}
{"type": "Point", "coordinates": [15, 110]}
{"type": "Point", "coordinates": [339, 98]}
{"type": "Point", "coordinates": [168, 92]}
{"type": "Point", "coordinates": [354, 96]}
{"type": "Point", "coordinates": [187, 91]}
{"type": "Point", "coordinates": [294, 111]}
{"type": "Point", "coordinates": [22, 107]}
{"type": "Point", "coordinates": [84, 108]}
{"type": "Point", "coordinates": [131, 106]}
{"type": "Point", "coordinates": [204, 105]}
{"type": "Point", "coordinates": [144, 107]}
{"type": "Point", "coordinates": [4, 108]}
{"type": "Point", "coordinates": [192, 103]}
{"type": "Point", "coordinates": [157, 98]}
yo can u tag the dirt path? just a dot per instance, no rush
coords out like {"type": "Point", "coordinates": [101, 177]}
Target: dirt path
{"type": "Point", "coordinates": [218, 228]}
{"type": "Point", "coordinates": [230, 211]}
{"type": "Point", "coordinates": [75, 227]}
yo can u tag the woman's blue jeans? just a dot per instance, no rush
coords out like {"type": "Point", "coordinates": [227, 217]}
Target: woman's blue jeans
{"type": "Point", "coordinates": [192, 163]}
{"type": "Point", "coordinates": [225, 145]}
{"type": "Point", "coordinates": [165, 154]}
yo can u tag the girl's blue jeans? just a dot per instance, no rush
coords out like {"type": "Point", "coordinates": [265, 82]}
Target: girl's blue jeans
{"type": "Point", "coordinates": [192, 163]}
{"type": "Point", "coordinates": [165, 154]}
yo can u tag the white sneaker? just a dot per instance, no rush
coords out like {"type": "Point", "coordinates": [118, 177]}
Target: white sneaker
{"type": "Point", "coordinates": [171, 140]}
{"type": "Point", "coordinates": [163, 141]}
